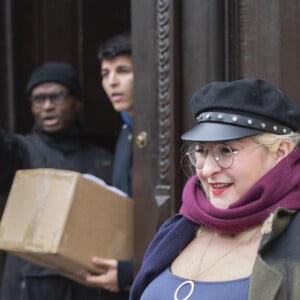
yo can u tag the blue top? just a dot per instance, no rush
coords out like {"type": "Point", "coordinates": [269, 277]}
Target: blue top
{"type": "Point", "coordinates": [127, 119]}
{"type": "Point", "coordinates": [169, 286]}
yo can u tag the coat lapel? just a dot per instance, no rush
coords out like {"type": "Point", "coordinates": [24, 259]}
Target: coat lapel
{"type": "Point", "coordinates": [266, 284]}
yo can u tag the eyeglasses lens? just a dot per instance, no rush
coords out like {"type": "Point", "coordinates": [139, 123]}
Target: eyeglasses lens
{"type": "Point", "coordinates": [57, 98]}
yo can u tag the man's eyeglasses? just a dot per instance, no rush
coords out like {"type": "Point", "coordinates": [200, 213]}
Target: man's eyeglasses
{"type": "Point", "coordinates": [56, 98]}
{"type": "Point", "coordinates": [222, 154]}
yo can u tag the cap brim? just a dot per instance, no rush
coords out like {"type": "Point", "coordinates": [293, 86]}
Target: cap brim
{"type": "Point", "coordinates": [210, 131]}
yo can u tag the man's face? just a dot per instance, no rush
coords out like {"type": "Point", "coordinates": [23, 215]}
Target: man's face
{"type": "Point", "coordinates": [53, 106]}
{"type": "Point", "coordinates": [117, 81]}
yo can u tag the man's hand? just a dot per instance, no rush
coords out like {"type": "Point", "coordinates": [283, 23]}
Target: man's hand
{"type": "Point", "coordinates": [108, 279]}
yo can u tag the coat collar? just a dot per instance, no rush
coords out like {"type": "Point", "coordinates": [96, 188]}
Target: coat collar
{"type": "Point", "coordinates": [266, 281]}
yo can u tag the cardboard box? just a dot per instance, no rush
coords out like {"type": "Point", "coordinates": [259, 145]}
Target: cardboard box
{"type": "Point", "coordinates": [59, 219]}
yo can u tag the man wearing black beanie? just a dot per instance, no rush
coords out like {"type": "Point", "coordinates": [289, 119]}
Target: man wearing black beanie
{"type": "Point", "coordinates": [56, 141]}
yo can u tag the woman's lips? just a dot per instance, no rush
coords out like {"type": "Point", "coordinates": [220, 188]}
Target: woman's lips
{"type": "Point", "coordinates": [219, 188]}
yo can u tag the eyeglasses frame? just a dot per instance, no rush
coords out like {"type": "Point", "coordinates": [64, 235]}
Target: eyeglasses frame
{"type": "Point", "coordinates": [233, 152]}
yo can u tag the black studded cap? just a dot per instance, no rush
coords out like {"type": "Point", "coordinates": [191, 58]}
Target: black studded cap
{"type": "Point", "coordinates": [241, 108]}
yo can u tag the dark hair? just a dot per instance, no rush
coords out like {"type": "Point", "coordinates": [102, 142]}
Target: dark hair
{"type": "Point", "coordinates": [115, 46]}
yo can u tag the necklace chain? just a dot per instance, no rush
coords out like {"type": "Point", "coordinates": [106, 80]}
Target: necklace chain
{"type": "Point", "coordinates": [219, 259]}
{"type": "Point", "coordinates": [204, 253]}
{"type": "Point", "coordinates": [246, 237]}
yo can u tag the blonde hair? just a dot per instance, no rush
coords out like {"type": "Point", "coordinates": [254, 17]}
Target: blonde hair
{"type": "Point", "coordinates": [272, 141]}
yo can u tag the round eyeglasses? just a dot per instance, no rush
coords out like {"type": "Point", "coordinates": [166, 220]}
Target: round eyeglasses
{"type": "Point", "coordinates": [222, 154]}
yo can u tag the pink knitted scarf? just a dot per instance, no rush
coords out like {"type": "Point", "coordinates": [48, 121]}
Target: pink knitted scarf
{"type": "Point", "coordinates": [280, 187]}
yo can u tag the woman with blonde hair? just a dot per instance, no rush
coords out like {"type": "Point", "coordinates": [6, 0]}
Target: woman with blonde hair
{"type": "Point", "coordinates": [236, 235]}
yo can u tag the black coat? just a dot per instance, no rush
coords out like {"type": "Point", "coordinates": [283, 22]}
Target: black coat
{"type": "Point", "coordinates": [23, 280]}
{"type": "Point", "coordinates": [122, 179]}
{"type": "Point", "coordinates": [122, 170]}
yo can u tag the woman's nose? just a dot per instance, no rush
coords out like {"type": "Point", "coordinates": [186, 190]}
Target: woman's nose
{"type": "Point", "coordinates": [210, 166]}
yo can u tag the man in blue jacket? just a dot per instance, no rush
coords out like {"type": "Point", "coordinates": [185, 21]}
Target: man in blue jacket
{"type": "Point", "coordinates": [116, 69]}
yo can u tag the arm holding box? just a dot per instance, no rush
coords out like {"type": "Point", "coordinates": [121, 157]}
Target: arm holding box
{"type": "Point", "coordinates": [117, 275]}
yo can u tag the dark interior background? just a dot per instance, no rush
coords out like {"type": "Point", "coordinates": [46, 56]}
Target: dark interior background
{"type": "Point", "coordinates": [37, 31]}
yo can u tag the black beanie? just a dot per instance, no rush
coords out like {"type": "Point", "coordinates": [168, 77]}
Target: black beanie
{"type": "Point", "coordinates": [55, 72]}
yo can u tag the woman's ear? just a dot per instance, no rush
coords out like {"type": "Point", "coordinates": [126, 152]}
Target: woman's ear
{"type": "Point", "coordinates": [284, 148]}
